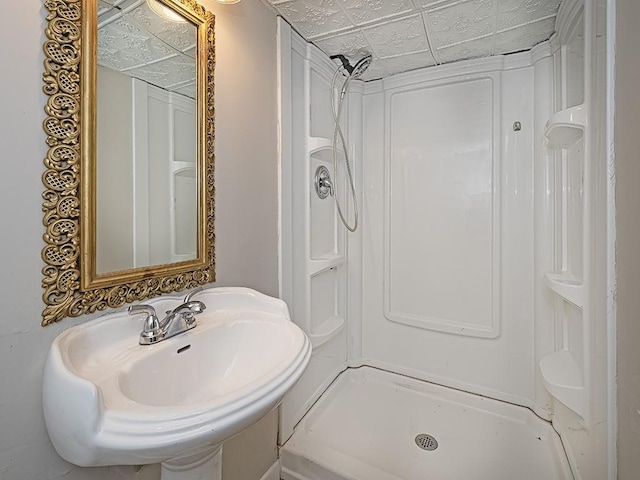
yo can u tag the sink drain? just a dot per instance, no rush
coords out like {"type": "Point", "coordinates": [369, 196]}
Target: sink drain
{"type": "Point", "coordinates": [426, 442]}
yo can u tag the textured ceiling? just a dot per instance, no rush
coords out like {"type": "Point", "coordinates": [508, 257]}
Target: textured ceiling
{"type": "Point", "coordinates": [135, 41]}
{"type": "Point", "coordinates": [404, 35]}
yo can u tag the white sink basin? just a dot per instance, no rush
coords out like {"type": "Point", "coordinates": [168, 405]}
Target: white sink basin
{"type": "Point", "coordinates": [110, 401]}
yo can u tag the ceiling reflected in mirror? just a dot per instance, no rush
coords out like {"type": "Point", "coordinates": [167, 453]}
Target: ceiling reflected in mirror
{"type": "Point", "coordinates": [136, 38]}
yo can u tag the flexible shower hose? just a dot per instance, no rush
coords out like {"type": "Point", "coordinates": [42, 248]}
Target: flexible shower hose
{"type": "Point", "coordinates": [338, 134]}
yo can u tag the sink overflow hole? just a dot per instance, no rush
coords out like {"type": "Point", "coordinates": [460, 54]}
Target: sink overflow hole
{"type": "Point", "coordinates": [184, 349]}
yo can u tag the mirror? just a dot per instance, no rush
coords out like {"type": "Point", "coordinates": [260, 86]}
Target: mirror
{"type": "Point", "coordinates": [129, 205]}
{"type": "Point", "coordinates": [146, 136]}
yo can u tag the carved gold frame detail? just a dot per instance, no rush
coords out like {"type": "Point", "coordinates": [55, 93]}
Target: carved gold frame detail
{"type": "Point", "coordinates": [71, 286]}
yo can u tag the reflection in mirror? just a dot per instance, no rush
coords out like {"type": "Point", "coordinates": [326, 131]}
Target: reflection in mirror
{"type": "Point", "coordinates": [134, 175]}
{"type": "Point", "coordinates": [146, 210]}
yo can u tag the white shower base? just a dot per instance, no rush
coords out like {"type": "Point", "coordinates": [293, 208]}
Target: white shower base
{"type": "Point", "coordinates": [364, 426]}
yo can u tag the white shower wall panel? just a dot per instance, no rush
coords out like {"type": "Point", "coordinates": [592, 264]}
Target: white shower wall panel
{"type": "Point", "coordinates": [448, 239]}
{"type": "Point", "coordinates": [441, 223]}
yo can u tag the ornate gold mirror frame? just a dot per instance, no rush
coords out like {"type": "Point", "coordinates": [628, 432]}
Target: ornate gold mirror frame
{"type": "Point", "coordinates": [72, 287]}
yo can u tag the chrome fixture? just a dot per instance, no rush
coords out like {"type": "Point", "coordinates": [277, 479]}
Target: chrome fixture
{"type": "Point", "coordinates": [426, 442]}
{"type": "Point", "coordinates": [178, 320]}
{"type": "Point", "coordinates": [323, 184]}
{"type": "Point", "coordinates": [352, 71]}
{"type": "Point", "coordinates": [356, 70]}
{"type": "Point", "coordinates": [151, 328]}
{"type": "Point", "coordinates": [189, 296]}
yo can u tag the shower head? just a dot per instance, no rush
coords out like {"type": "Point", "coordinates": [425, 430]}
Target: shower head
{"type": "Point", "coordinates": [361, 66]}
{"type": "Point", "coordinates": [356, 70]}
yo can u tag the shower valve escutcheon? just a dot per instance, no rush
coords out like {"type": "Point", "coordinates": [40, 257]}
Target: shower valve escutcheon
{"type": "Point", "coordinates": [323, 184]}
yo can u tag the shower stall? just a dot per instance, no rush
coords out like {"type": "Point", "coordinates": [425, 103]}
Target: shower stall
{"type": "Point", "coordinates": [459, 331]}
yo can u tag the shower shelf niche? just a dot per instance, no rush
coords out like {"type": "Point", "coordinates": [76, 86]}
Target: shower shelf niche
{"type": "Point", "coordinates": [563, 379]}
{"type": "Point", "coordinates": [321, 148]}
{"type": "Point", "coordinates": [313, 244]}
{"type": "Point", "coordinates": [328, 330]}
{"type": "Point", "coordinates": [572, 141]}
{"type": "Point", "coordinates": [324, 259]}
{"type": "Point", "coordinates": [566, 286]}
{"type": "Point", "coordinates": [317, 265]}
{"type": "Point", "coordinates": [318, 143]}
{"type": "Point", "coordinates": [566, 127]}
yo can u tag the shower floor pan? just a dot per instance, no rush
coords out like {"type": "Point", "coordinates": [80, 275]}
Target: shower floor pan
{"type": "Point", "coordinates": [375, 425]}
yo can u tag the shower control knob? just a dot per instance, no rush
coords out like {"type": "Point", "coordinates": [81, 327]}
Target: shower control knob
{"type": "Point", "coordinates": [323, 184]}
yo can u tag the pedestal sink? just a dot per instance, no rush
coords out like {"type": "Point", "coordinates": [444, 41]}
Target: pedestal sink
{"type": "Point", "coordinates": [110, 401]}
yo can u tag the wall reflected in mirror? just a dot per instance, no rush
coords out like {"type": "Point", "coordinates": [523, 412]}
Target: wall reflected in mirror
{"type": "Point", "coordinates": [147, 145]}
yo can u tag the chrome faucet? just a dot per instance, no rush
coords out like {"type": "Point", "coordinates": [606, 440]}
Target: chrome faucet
{"type": "Point", "coordinates": [176, 321]}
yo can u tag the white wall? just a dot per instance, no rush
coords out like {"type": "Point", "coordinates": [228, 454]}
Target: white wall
{"type": "Point", "coordinates": [246, 224]}
{"type": "Point", "coordinates": [627, 164]}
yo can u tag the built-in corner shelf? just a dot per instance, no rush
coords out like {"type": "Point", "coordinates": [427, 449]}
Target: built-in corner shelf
{"type": "Point", "coordinates": [321, 148]}
{"type": "Point", "coordinates": [567, 286]}
{"type": "Point", "coordinates": [566, 127]}
{"type": "Point", "coordinates": [328, 330]}
{"type": "Point", "coordinates": [318, 143]}
{"type": "Point", "coordinates": [563, 379]}
{"type": "Point", "coordinates": [321, 264]}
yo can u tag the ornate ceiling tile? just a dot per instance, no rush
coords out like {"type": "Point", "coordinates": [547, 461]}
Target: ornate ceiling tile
{"type": "Point", "coordinates": [166, 74]}
{"type": "Point", "coordinates": [512, 13]}
{"type": "Point", "coordinates": [140, 44]}
{"type": "Point", "coordinates": [405, 63]}
{"type": "Point", "coordinates": [120, 52]}
{"type": "Point", "coordinates": [461, 22]}
{"type": "Point", "coordinates": [398, 37]}
{"type": "Point", "coordinates": [531, 34]}
{"type": "Point", "coordinates": [479, 47]}
{"type": "Point", "coordinates": [367, 11]}
{"type": "Point", "coordinates": [314, 18]}
{"type": "Point", "coordinates": [351, 44]}
{"type": "Point", "coordinates": [179, 35]}
{"type": "Point", "coordinates": [181, 41]}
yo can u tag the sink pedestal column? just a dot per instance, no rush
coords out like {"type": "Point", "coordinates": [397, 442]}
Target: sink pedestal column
{"type": "Point", "coordinates": [202, 466]}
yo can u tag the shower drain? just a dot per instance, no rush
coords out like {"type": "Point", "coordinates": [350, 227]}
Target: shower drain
{"type": "Point", "coordinates": [426, 442]}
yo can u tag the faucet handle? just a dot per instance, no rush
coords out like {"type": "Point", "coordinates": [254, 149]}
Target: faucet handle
{"type": "Point", "coordinates": [151, 323]}
{"type": "Point", "coordinates": [189, 310]}
{"type": "Point", "coordinates": [192, 294]}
